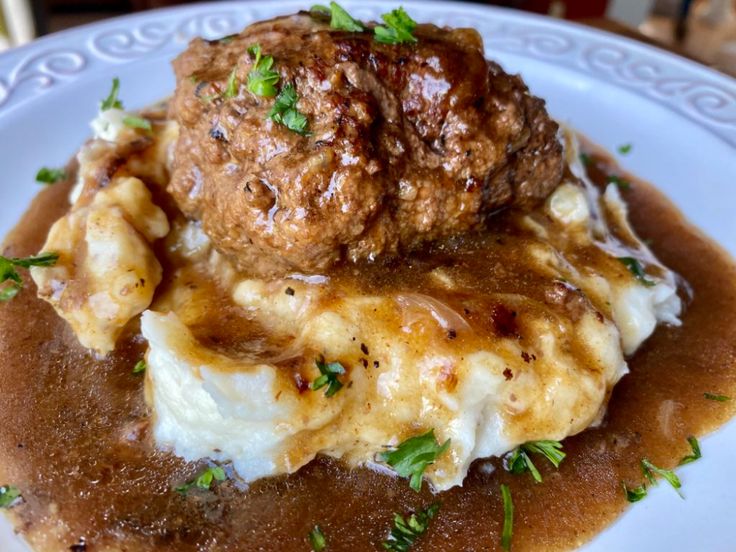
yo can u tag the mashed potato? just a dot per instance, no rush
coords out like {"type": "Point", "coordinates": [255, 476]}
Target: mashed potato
{"type": "Point", "coordinates": [414, 360]}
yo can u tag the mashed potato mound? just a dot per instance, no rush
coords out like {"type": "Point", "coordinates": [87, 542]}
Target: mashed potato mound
{"type": "Point", "coordinates": [488, 365]}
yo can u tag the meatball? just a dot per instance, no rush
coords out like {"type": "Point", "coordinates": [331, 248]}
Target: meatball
{"type": "Point", "coordinates": [406, 143]}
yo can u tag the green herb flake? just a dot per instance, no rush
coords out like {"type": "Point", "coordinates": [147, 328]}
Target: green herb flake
{"type": "Point", "coordinates": [46, 175]}
{"type": "Point", "coordinates": [329, 377]}
{"type": "Point", "coordinates": [717, 398]}
{"type": "Point", "coordinates": [317, 539]}
{"type": "Point", "coordinates": [508, 518]}
{"type": "Point", "coordinates": [233, 85]}
{"type": "Point", "coordinates": [9, 277]}
{"type": "Point", "coordinates": [112, 101]}
{"type": "Point", "coordinates": [203, 480]}
{"type": "Point", "coordinates": [132, 121]}
{"type": "Point", "coordinates": [262, 79]}
{"type": "Point", "coordinates": [8, 496]}
{"type": "Point", "coordinates": [405, 532]}
{"type": "Point", "coordinates": [412, 457]}
{"type": "Point", "coordinates": [519, 460]}
{"type": "Point", "coordinates": [398, 30]}
{"type": "Point", "coordinates": [339, 18]}
{"type": "Point", "coordinates": [635, 494]}
{"type": "Point", "coordinates": [586, 159]}
{"type": "Point", "coordinates": [649, 470]}
{"type": "Point", "coordinates": [285, 112]}
{"type": "Point", "coordinates": [696, 454]}
{"type": "Point", "coordinates": [634, 266]}
{"type": "Point", "coordinates": [139, 367]}
{"type": "Point", "coordinates": [622, 183]}
{"type": "Point", "coordinates": [625, 149]}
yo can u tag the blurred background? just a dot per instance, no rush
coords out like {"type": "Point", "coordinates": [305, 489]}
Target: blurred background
{"type": "Point", "coordinates": [704, 30]}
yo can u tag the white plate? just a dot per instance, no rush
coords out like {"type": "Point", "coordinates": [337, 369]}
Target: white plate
{"type": "Point", "coordinates": [680, 117]}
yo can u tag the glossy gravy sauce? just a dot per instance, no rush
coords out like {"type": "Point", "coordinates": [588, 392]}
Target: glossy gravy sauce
{"type": "Point", "coordinates": [74, 434]}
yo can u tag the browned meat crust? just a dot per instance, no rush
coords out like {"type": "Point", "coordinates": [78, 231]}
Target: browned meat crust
{"type": "Point", "coordinates": [408, 143]}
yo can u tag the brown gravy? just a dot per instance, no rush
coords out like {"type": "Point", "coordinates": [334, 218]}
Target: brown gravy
{"type": "Point", "coordinates": [73, 434]}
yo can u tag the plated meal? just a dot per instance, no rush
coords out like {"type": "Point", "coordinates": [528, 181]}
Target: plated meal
{"type": "Point", "coordinates": [350, 287]}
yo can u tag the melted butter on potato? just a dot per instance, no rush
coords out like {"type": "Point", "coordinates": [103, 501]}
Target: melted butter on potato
{"type": "Point", "coordinates": [107, 272]}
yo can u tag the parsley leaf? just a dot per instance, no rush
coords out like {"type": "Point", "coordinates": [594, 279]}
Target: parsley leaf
{"type": "Point", "coordinates": [519, 461]}
{"type": "Point", "coordinates": [695, 446]}
{"type": "Point", "coordinates": [285, 113]}
{"type": "Point", "coordinates": [50, 176]}
{"type": "Point", "coordinates": [635, 494]}
{"type": "Point", "coordinates": [718, 398]}
{"type": "Point", "coordinates": [8, 272]}
{"type": "Point", "coordinates": [132, 121]}
{"type": "Point", "coordinates": [340, 19]}
{"type": "Point", "coordinates": [112, 102]}
{"type": "Point", "coordinates": [233, 86]}
{"type": "Point", "coordinates": [637, 270]}
{"type": "Point", "coordinates": [8, 496]}
{"type": "Point", "coordinates": [649, 470]}
{"type": "Point", "coordinates": [412, 457]}
{"type": "Point", "coordinates": [139, 367]}
{"type": "Point", "coordinates": [585, 159]}
{"type": "Point", "coordinates": [405, 532]}
{"type": "Point", "coordinates": [329, 372]}
{"type": "Point", "coordinates": [622, 183]}
{"type": "Point", "coordinates": [508, 518]}
{"type": "Point", "coordinates": [262, 79]}
{"type": "Point", "coordinates": [203, 480]}
{"type": "Point", "coordinates": [623, 149]}
{"type": "Point", "coordinates": [399, 28]}
{"type": "Point", "coordinates": [42, 259]}
{"type": "Point", "coordinates": [317, 539]}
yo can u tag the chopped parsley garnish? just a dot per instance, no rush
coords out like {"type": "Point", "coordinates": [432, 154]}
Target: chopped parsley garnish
{"type": "Point", "coordinates": [635, 494]}
{"type": "Point", "coordinates": [139, 367]}
{"type": "Point", "coordinates": [50, 176]}
{"type": "Point", "coordinates": [133, 121]}
{"type": "Point", "coordinates": [696, 455]}
{"type": "Point", "coordinates": [508, 518]}
{"type": "Point", "coordinates": [405, 532]}
{"type": "Point", "coordinates": [317, 539]}
{"type": "Point", "coordinates": [585, 159]}
{"type": "Point", "coordinates": [329, 376]}
{"type": "Point", "coordinates": [339, 18]}
{"type": "Point", "coordinates": [112, 102]}
{"type": "Point", "coordinates": [285, 113]}
{"type": "Point", "coordinates": [637, 270]}
{"type": "Point", "coordinates": [649, 470]}
{"type": "Point", "coordinates": [233, 85]}
{"type": "Point", "coordinates": [203, 480]}
{"type": "Point", "coordinates": [8, 496]}
{"type": "Point", "coordinates": [398, 30]}
{"type": "Point", "coordinates": [622, 183]}
{"type": "Point", "coordinates": [623, 149]}
{"type": "Point", "coordinates": [718, 398]}
{"type": "Point", "coordinates": [519, 461]}
{"type": "Point", "coordinates": [8, 272]}
{"type": "Point", "coordinates": [412, 457]}
{"type": "Point", "coordinates": [262, 79]}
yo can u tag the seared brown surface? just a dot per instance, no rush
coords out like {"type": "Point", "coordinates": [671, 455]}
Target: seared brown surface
{"type": "Point", "coordinates": [408, 144]}
{"type": "Point", "coordinates": [73, 434]}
